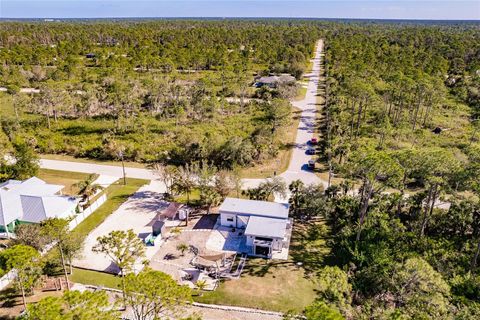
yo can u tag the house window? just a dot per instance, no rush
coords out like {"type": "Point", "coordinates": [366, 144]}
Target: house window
{"type": "Point", "coordinates": [264, 239]}
{"type": "Point", "coordinates": [230, 219]}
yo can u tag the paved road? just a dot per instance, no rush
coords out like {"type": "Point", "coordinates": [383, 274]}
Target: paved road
{"type": "Point", "coordinates": [297, 168]}
{"type": "Point", "coordinates": [115, 171]}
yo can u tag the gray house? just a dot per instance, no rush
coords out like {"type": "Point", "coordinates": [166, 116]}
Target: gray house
{"type": "Point", "coordinates": [267, 226]}
{"type": "Point", "coordinates": [273, 81]}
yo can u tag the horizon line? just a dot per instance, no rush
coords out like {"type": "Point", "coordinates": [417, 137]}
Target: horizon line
{"type": "Point", "coordinates": [233, 18]}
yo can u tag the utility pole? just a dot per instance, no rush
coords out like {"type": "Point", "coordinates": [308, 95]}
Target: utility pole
{"type": "Point", "coordinates": [120, 153]}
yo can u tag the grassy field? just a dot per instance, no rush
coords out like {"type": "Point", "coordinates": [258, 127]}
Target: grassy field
{"type": "Point", "coordinates": [95, 278]}
{"type": "Point", "coordinates": [302, 91]}
{"type": "Point", "coordinates": [117, 194]}
{"type": "Point", "coordinates": [64, 178]}
{"type": "Point", "coordinates": [275, 284]}
{"type": "Point", "coordinates": [279, 286]}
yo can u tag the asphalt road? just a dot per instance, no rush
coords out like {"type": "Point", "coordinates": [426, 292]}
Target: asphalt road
{"type": "Point", "coordinates": [115, 171]}
{"type": "Point", "coordinates": [297, 168]}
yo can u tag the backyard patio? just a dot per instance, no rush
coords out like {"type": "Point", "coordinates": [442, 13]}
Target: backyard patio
{"type": "Point", "coordinates": [192, 264]}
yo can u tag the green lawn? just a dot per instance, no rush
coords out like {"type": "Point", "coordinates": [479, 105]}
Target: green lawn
{"type": "Point", "coordinates": [117, 194]}
{"type": "Point", "coordinates": [64, 178]}
{"type": "Point", "coordinates": [95, 278]}
{"type": "Point", "coordinates": [269, 285]}
{"type": "Point", "coordinates": [302, 91]}
{"type": "Point", "coordinates": [193, 198]}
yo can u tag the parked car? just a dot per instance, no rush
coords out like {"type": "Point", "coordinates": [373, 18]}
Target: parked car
{"type": "Point", "coordinates": [313, 141]}
{"type": "Point", "coordinates": [310, 150]}
{"type": "Point", "coordinates": [311, 164]}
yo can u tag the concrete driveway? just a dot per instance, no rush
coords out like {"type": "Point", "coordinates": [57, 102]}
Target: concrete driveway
{"type": "Point", "coordinates": [136, 213]}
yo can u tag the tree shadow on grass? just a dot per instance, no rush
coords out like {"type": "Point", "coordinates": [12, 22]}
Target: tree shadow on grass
{"type": "Point", "coordinates": [258, 267]}
{"type": "Point", "coordinates": [309, 246]}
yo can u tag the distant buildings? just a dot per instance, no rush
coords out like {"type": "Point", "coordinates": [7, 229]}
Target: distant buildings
{"type": "Point", "coordinates": [274, 81]}
{"type": "Point", "coordinates": [32, 201]}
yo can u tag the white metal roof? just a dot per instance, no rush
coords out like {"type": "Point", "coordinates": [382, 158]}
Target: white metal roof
{"type": "Point", "coordinates": [32, 200]}
{"type": "Point", "coordinates": [36, 209]}
{"type": "Point", "coordinates": [266, 227]}
{"type": "Point", "coordinates": [255, 208]}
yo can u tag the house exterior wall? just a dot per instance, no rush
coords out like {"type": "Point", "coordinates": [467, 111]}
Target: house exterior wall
{"type": "Point", "coordinates": [233, 220]}
{"type": "Point", "coordinates": [277, 244]}
{"type": "Point", "coordinates": [242, 221]}
{"type": "Point", "coordinates": [228, 219]}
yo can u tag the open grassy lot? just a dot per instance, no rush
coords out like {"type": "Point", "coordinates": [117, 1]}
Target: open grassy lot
{"type": "Point", "coordinates": [274, 284]}
{"type": "Point", "coordinates": [268, 285]}
{"type": "Point", "coordinates": [64, 178]}
{"type": "Point", "coordinates": [95, 278]}
{"type": "Point", "coordinates": [302, 91]}
{"type": "Point", "coordinates": [117, 194]}
{"type": "Point", "coordinates": [280, 163]}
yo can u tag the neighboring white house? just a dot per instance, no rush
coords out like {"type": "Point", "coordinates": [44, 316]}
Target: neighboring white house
{"type": "Point", "coordinates": [267, 226]}
{"type": "Point", "coordinates": [32, 201]}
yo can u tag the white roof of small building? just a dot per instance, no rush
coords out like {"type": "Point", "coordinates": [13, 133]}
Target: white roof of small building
{"type": "Point", "coordinates": [266, 227]}
{"type": "Point", "coordinates": [255, 208]}
{"type": "Point", "coordinates": [32, 200]}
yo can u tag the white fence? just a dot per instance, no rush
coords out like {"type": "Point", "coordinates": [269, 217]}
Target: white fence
{"type": "Point", "coordinates": [7, 279]}
{"type": "Point", "coordinates": [87, 211]}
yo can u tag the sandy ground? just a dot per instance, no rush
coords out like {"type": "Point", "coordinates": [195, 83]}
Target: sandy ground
{"type": "Point", "coordinates": [215, 314]}
{"type": "Point", "coordinates": [136, 213]}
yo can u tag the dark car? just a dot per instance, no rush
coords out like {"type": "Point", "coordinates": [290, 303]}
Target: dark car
{"type": "Point", "coordinates": [310, 150]}
{"type": "Point", "coordinates": [313, 141]}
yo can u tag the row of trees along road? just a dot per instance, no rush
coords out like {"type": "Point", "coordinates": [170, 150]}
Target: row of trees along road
{"type": "Point", "coordinates": [403, 106]}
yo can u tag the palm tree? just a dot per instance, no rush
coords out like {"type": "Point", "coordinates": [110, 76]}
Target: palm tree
{"type": "Point", "coordinates": [201, 285]}
{"type": "Point", "coordinates": [210, 198]}
{"type": "Point", "coordinates": [87, 188]}
{"type": "Point", "coordinates": [182, 247]}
